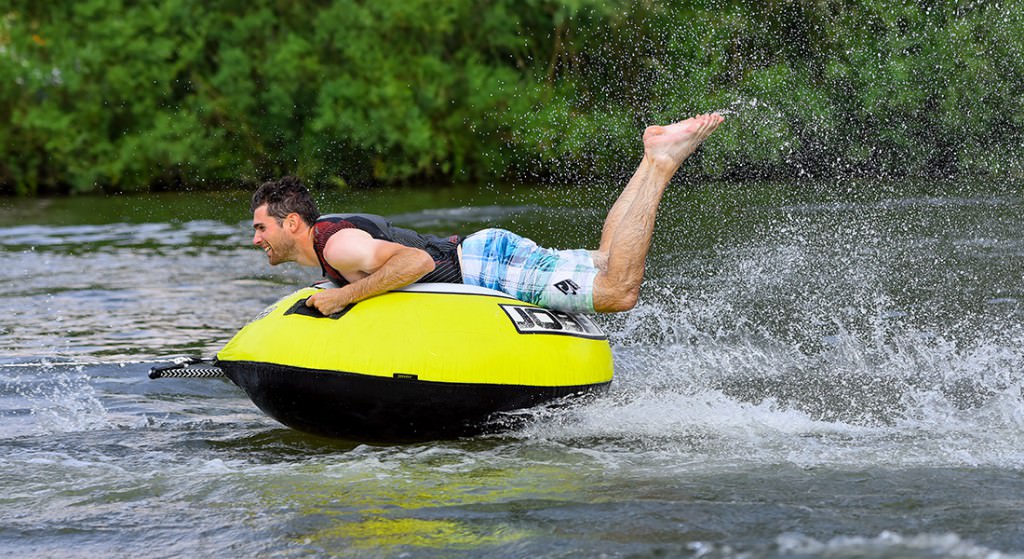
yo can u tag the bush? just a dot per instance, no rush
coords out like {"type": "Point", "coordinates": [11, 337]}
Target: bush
{"type": "Point", "coordinates": [120, 96]}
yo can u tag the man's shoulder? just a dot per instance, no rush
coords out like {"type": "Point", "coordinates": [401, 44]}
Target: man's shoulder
{"type": "Point", "coordinates": [336, 217]}
{"type": "Point", "coordinates": [346, 242]}
{"type": "Point", "coordinates": [377, 226]}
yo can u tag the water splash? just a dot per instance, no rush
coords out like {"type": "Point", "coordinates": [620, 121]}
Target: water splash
{"type": "Point", "coordinates": [833, 334]}
{"type": "Point", "coordinates": [50, 399]}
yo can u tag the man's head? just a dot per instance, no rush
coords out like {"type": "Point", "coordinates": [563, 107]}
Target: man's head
{"type": "Point", "coordinates": [282, 213]}
{"type": "Point", "coordinates": [284, 196]}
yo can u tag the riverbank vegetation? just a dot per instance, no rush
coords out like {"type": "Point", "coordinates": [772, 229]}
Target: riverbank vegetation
{"type": "Point", "coordinates": [116, 95]}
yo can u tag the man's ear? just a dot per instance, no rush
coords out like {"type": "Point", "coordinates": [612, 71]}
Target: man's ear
{"type": "Point", "coordinates": [292, 222]}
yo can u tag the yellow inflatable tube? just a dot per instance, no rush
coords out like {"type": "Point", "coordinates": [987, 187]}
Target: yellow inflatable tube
{"type": "Point", "coordinates": [430, 360]}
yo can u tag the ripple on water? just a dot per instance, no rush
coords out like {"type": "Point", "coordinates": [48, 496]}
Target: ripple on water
{"type": "Point", "coordinates": [819, 371]}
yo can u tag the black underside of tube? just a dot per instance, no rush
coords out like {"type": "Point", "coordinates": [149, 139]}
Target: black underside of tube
{"type": "Point", "coordinates": [378, 409]}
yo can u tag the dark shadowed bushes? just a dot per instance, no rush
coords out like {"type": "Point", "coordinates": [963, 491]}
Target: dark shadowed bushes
{"type": "Point", "coordinates": [126, 95]}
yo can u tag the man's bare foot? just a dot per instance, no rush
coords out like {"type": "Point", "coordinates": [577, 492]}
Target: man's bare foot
{"type": "Point", "coordinates": [672, 144]}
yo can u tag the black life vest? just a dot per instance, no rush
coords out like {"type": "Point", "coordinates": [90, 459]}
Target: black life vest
{"type": "Point", "coordinates": [442, 250]}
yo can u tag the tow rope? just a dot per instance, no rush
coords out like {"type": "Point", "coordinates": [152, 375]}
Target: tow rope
{"type": "Point", "coordinates": [187, 367]}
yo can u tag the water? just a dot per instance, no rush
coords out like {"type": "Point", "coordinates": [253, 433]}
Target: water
{"type": "Point", "coordinates": [814, 371]}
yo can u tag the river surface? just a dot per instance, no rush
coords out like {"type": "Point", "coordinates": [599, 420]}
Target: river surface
{"type": "Point", "coordinates": [825, 370]}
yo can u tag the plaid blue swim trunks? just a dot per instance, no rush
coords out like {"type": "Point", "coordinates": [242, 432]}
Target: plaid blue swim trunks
{"type": "Point", "coordinates": [555, 279]}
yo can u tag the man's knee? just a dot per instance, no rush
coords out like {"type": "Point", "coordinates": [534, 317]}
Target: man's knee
{"type": "Point", "coordinates": [615, 299]}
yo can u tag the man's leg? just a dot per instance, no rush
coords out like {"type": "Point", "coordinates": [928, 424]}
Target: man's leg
{"type": "Point", "coordinates": [626, 236]}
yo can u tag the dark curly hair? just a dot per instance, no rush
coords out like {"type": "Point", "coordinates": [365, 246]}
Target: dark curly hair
{"type": "Point", "coordinates": [284, 196]}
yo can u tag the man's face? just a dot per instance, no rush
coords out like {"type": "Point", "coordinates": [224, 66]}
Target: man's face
{"type": "Point", "coordinates": [272, 237]}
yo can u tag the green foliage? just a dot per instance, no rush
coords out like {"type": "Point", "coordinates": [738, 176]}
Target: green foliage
{"type": "Point", "coordinates": [122, 95]}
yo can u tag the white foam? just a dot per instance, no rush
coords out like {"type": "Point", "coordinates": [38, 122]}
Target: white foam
{"type": "Point", "coordinates": [885, 397]}
{"type": "Point", "coordinates": [57, 399]}
{"type": "Point", "coordinates": [888, 544]}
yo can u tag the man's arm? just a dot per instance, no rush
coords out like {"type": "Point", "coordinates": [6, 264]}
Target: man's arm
{"type": "Point", "coordinates": [371, 265]}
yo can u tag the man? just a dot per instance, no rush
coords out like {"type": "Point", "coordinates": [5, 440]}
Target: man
{"type": "Point", "coordinates": [366, 256]}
